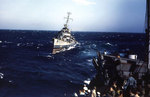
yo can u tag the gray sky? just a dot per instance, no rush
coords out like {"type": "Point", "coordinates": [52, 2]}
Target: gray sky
{"type": "Point", "coordinates": [88, 15]}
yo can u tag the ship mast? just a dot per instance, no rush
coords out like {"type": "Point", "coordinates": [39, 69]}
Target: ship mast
{"type": "Point", "coordinates": [148, 33]}
{"type": "Point", "coordinates": [68, 18]}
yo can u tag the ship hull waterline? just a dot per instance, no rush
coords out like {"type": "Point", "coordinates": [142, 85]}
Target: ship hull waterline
{"type": "Point", "coordinates": [60, 45]}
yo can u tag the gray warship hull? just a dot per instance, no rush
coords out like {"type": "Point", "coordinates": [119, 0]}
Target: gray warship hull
{"type": "Point", "coordinates": [63, 44]}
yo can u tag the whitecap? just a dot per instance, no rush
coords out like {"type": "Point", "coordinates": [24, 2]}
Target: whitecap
{"type": "Point", "coordinates": [70, 60]}
{"type": "Point", "coordinates": [89, 60]}
{"type": "Point", "coordinates": [7, 42]}
{"type": "Point", "coordinates": [49, 56]}
{"type": "Point", "coordinates": [94, 45]}
{"type": "Point", "coordinates": [69, 48]}
{"type": "Point", "coordinates": [29, 44]}
{"type": "Point", "coordinates": [40, 44]}
{"type": "Point", "coordinates": [37, 47]}
{"type": "Point", "coordinates": [84, 52]}
{"type": "Point", "coordinates": [18, 44]}
{"type": "Point", "coordinates": [75, 94]}
{"type": "Point", "coordinates": [46, 56]}
{"type": "Point", "coordinates": [78, 43]}
{"type": "Point", "coordinates": [20, 38]}
{"type": "Point", "coordinates": [1, 75]}
{"type": "Point", "coordinates": [109, 44]}
{"type": "Point", "coordinates": [0, 41]}
{"type": "Point", "coordinates": [64, 59]}
{"type": "Point", "coordinates": [87, 81]}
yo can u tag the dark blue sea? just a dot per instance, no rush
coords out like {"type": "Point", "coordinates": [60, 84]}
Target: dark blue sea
{"type": "Point", "coordinates": [31, 70]}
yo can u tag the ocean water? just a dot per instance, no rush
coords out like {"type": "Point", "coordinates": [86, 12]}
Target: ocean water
{"type": "Point", "coordinates": [31, 70]}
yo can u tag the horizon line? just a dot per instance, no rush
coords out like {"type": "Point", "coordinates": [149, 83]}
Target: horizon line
{"type": "Point", "coordinates": [75, 31]}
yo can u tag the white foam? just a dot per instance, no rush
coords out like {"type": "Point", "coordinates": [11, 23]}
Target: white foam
{"type": "Point", "coordinates": [75, 95]}
{"type": "Point", "coordinates": [71, 47]}
{"type": "Point", "coordinates": [94, 45]}
{"type": "Point", "coordinates": [37, 47]}
{"type": "Point", "coordinates": [49, 56]}
{"type": "Point", "coordinates": [0, 41]}
{"type": "Point", "coordinates": [89, 60]}
{"type": "Point", "coordinates": [84, 52]}
{"type": "Point", "coordinates": [7, 42]}
{"type": "Point", "coordinates": [1, 75]}
{"type": "Point", "coordinates": [70, 60]}
{"type": "Point", "coordinates": [109, 44]}
{"type": "Point", "coordinates": [18, 44]}
{"type": "Point", "coordinates": [40, 44]}
{"type": "Point", "coordinates": [87, 81]}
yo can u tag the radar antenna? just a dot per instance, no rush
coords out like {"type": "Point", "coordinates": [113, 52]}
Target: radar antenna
{"type": "Point", "coordinates": [68, 18]}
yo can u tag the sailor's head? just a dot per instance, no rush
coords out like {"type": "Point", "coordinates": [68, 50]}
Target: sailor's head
{"type": "Point", "coordinates": [118, 56]}
{"type": "Point", "coordinates": [130, 74]}
{"type": "Point", "coordinates": [95, 87]}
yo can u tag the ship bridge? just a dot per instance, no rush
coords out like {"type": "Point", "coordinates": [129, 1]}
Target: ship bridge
{"type": "Point", "coordinates": [66, 34]}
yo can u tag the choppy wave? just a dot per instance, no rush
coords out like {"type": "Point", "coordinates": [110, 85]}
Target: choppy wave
{"type": "Point", "coordinates": [109, 44]}
{"type": "Point", "coordinates": [28, 64]}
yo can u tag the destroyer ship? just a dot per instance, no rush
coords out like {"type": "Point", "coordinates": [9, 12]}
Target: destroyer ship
{"type": "Point", "coordinates": [64, 40]}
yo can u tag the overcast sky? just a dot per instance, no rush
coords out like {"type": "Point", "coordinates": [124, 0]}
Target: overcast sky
{"type": "Point", "coordinates": [88, 15]}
